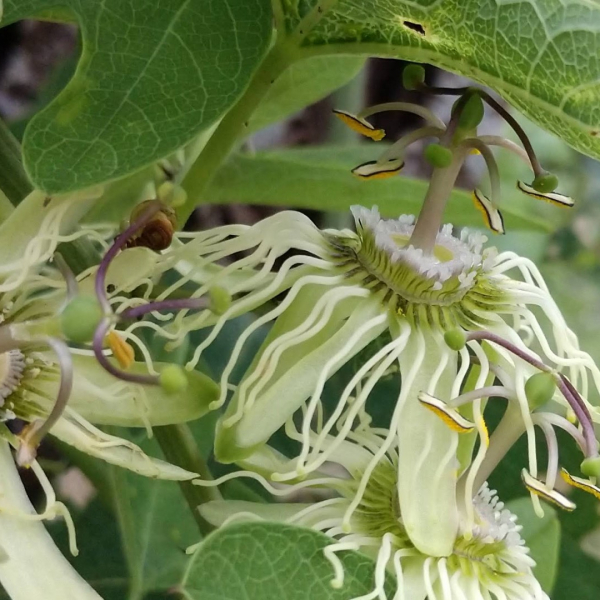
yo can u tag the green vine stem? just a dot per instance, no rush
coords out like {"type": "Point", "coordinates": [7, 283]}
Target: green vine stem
{"type": "Point", "coordinates": [232, 128]}
{"type": "Point", "coordinates": [13, 180]}
{"type": "Point", "coordinates": [180, 448]}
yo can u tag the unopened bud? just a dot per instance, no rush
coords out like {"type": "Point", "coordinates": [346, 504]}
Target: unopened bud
{"type": "Point", "coordinates": [455, 339]}
{"type": "Point", "coordinates": [171, 194]}
{"type": "Point", "coordinates": [80, 318]}
{"type": "Point", "coordinates": [438, 156]}
{"type": "Point", "coordinates": [539, 389]}
{"type": "Point", "coordinates": [413, 76]}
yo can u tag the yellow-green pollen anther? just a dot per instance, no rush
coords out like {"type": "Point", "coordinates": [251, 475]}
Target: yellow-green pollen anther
{"type": "Point", "coordinates": [359, 125]}
{"type": "Point", "coordinates": [455, 339]}
{"type": "Point", "coordinates": [535, 486]}
{"type": "Point", "coordinates": [539, 389]}
{"type": "Point", "coordinates": [376, 170]}
{"type": "Point", "coordinates": [581, 484]}
{"type": "Point", "coordinates": [552, 197]}
{"type": "Point", "coordinates": [450, 416]}
{"type": "Point", "coordinates": [491, 215]}
{"type": "Point", "coordinates": [449, 290]}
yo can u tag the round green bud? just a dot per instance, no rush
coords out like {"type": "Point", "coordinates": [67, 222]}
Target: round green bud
{"type": "Point", "coordinates": [539, 389]}
{"type": "Point", "coordinates": [173, 379]}
{"type": "Point", "coordinates": [413, 76]}
{"type": "Point", "coordinates": [171, 194]}
{"type": "Point", "coordinates": [472, 111]}
{"type": "Point", "coordinates": [591, 467]}
{"type": "Point", "coordinates": [438, 155]}
{"type": "Point", "coordinates": [80, 318]}
{"type": "Point", "coordinates": [545, 183]}
{"type": "Point", "coordinates": [220, 299]}
{"type": "Point", "coordinates": [455, 339]}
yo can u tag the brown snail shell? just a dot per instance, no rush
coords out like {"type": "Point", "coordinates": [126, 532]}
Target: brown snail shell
{"type": "Point", "coordinates": [158, 233]}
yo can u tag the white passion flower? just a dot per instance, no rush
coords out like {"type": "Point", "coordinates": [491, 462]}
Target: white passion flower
{"type": "Point", "coordinates": [56, 386]}
{"type": "Point", "coordinates": [488, 559]}
{"type": "Point", "coordinates": [343, 290]}
{"type": "Point", "coordinates": [31, 566]}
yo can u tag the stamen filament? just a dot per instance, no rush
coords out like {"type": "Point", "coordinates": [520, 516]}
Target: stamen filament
{"type": "Point", "coordinates": [120, 241]}
{"type": "Point", "coordinates": [175, 304]}
{"type": "Point", "coordinates": [581, 411]}
{"type": "Point", "coordinates": [416, 109]}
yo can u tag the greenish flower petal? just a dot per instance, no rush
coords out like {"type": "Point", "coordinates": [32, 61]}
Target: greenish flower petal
{"type": "Point", "coordinates": [31, 566]}
{"type": "Point", "coordinates": [294, 378]}
{"type": "Point", "coordinates": [76, 432]}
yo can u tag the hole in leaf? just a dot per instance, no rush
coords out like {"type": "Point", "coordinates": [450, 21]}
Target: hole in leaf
{"type": "Point", "coordinates": [417, 27]}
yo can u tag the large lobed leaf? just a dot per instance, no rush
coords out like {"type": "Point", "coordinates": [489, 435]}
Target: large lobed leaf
{"type": "Point", "coordinates": [541, 55]}
{"type": "Point", "coordinates": [151, 76]}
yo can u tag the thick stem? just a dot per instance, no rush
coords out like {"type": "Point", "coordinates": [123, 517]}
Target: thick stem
{"type": "Point", "coordinates": [509, 430]}
{"type": "Point", "coordinates": [232, 128]}
{"type": "Point", "coordinates": [179, 448]}
{"type": "Point", "coordinates": [13, 179]}
{"type": "Point", "coordinates": [432, 213]}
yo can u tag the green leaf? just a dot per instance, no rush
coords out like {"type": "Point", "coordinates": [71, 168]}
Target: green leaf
{"type": "Point", "coordinates": [542, 537]}
{"type": "Point", "coordinates": [152, 75]}
{"type": "Point", "coordinates": [320, 179]}
{"type": "Point", "coordinates": [272, 561]}
{"type": "Point", "coordinates": [303, 83]}
{"type": "Point", "coordinates": [153, 520]}
{"type": "Point", "coordinates": [100, 561]}
{"type": "Point", "coordinates": [535, 53]}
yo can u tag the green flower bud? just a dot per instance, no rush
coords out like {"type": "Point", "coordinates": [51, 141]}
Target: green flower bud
{"type": "Point", "coordinates": [220, 299]}
{"type": "Point", "coordinates": [438, 155]}
{"type": "Point", "coordinates": [472, 111]}
{"type": "Point", "coordinates": [173, 379]}
{"type": "Point", "coordinates": [455, 339]}
{"type": "Point", "coordinates": [413, 76]}
{"type": "Point", "coordinates": [80, 318]}
{"type": "Point", "coordinates": [539, 388]}
{"type": "Point", "coordinates": [171, 194]}
{"type": "Point", "coordinates": [545, 183]}
{"type": "Point", "coordinates": [591, 467]}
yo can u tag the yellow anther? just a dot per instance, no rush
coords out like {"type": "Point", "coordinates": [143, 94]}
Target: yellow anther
{"type": "Point", "coordinates": [491, 215]}
{"type": "Point", "coordinates": [539, 489]}
{"type": "Point", "coordinates": [581, 484]}
{"type": "Point", "coordinates": [451, 417]}
{"type": "Point", "coordinates": [359, 125]}
{"type": "Point", "coordinates": [552, 197]}
{"type": "Point", "coordinates": [121, 350]}
{"type": "Point", "coordinates": [474, 151]}
{"type": "Point", "coordinates": [375, 170]}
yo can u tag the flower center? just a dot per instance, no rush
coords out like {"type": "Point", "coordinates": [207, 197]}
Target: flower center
{"type": "Point", "coordinates": [12, 365]}
{"type": "Point", "coordinates": [494, 545]}
{"type": "Point", "coordinates": [451, 285]}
